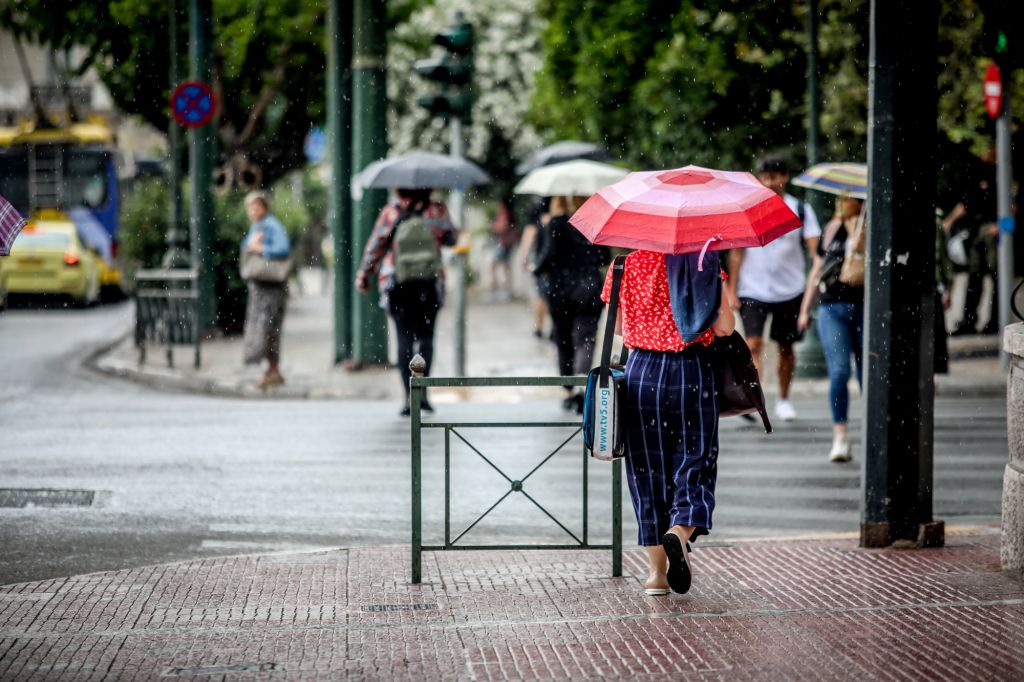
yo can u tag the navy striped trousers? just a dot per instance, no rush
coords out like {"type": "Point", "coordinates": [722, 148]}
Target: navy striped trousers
{"type": "Point", "coordinates": [672, 440]}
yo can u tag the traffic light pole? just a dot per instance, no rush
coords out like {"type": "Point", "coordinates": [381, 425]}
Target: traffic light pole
{"type": "Point", "coordinates": [457, 206]}
{"type": "Point", "coordinates": [202, 152]}
{"type": "Point", "coordinates": [1004, 184]}
{"type": "Point", "coordinates": [369, 143]}
{"type": "Point", "coordinates": [339, 206]}
{"type": "Point", "coordinates": [177, 255]}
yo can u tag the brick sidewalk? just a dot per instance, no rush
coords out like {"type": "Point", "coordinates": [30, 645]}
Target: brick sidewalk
{"type": "Point", "coordinates": [758, 610]}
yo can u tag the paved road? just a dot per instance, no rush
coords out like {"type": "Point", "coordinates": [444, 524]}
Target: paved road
{"type": "Point", "coordinates": [170, 477]}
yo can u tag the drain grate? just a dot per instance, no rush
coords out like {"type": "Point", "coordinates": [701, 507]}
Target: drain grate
{"type": "Point", "coordinates": [222, 669]}
{"type": "Point", "coordinates": [19, 498]}
{"type": "Point", "coordinates": [382, 608]}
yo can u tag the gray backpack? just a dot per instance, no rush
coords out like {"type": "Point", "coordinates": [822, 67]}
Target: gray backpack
{"type": "Point", "coordinates": [417, 256]}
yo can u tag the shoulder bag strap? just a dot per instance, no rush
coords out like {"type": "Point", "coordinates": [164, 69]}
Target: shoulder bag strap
{"type": "Point", "coordinates": [618, 267]}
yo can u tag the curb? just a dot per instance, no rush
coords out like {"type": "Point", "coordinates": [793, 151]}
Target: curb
{"type": "Point", "coordinates": [169, 380]}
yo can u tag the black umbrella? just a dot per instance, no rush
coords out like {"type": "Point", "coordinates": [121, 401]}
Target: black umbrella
{"type": "Point", "coordinates": [421, 170]}
{"type": "Point", "coordinates": [566, 150]}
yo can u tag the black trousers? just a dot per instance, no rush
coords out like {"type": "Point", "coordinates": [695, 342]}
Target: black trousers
{"type": "Point", "coordinates": [574, 334]}
{"type": "Point", "coordinates": [414, 306]}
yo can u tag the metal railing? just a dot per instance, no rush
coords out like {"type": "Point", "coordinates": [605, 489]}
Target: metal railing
{"type": "Point", "coordinates": [167, 311]}
{"type": "Point", "coordinates": [458, 429]}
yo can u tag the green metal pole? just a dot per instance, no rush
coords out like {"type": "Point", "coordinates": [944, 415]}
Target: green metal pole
{"type": "Point", "coordinates": [617, 518]}
{"type": "Point", "coordinates": [415, 396]}
{"type": "Point", "coordinates": [202, 153]}
{"type": "Point", "coordinates": [810, 356]}
{"type": "Point", "coordinates": [369, 143]}
{"type": "Point", "coordinates": [177, 255]}
{"type": "Point", "coordinates": [339, 132]}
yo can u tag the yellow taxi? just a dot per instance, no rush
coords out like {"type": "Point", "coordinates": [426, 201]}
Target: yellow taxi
{"type": "Point", "coordinates": [49, 258]}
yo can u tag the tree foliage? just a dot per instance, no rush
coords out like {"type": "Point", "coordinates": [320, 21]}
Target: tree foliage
{"type": "Point", "coordinates": [719, 82]}
{"type": "Point", "coordinates": [268, 65]}
{"type": "Point", "coordinates": [672, 82]}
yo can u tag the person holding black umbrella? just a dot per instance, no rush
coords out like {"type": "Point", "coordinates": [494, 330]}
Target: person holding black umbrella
{"type": "Point", "coordinates": [404, 251]}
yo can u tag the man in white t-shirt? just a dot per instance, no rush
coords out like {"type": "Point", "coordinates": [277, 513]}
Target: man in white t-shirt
{"type": "Point", "coordinates": [769, 281]}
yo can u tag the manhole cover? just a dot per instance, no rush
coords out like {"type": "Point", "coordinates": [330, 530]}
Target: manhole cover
{"type": "Point", "coordinates": [381, 608]}
{"type": "Point", "coordinates": [222, 669]}
{"type": "Point", "coordinates": [19, 498]}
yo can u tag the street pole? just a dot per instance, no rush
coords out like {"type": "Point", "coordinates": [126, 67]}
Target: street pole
{"type": "Point", "coordinates": [177, 255]}
{"type": "Point", "coordinates": [1004, 185]}
{"type": "Point", "coordinates": [339, 196]}
{"type": "Point", "coordinates": [457, 206]}
{"type": "Point", "coordinates": [369, 143]}
{"type": "Point", "coordinates": [898, 404]}
{"type": "Point", "coordinates": [810, 356]}
{"type": "Point", "coordinates": [202, 152]}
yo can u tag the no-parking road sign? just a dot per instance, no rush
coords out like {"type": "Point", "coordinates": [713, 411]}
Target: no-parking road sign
{"type": "Point", "coordinates": [193, 104]}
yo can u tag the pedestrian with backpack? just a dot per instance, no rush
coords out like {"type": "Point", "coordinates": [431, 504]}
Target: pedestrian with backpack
{"type": "Point", "coordinates": [404, 251]}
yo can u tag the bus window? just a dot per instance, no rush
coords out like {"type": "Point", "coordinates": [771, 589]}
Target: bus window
{"type": "Point", "coordinates": [85, 178]}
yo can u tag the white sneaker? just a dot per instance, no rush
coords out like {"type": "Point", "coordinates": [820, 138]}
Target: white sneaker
{"type": "Point", "coordinates": [785, 411]}
{"type": "Point", "coordinates": [840, 451]}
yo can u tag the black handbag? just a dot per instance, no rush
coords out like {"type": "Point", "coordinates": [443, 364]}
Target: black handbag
{"type": "Point", "coordinates": [739, 386]}
{"type": "Point", "coordinates": [604, 402]}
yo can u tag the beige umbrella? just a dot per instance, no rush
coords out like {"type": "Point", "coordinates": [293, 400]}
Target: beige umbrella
{"type": "Point", "coordinates": [580, 178]}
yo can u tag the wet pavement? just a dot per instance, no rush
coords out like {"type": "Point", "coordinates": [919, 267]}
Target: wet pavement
{"type": "Point", "coordinates": [250, 539]}
{"type": "Point", "coordinates": [766, 610]}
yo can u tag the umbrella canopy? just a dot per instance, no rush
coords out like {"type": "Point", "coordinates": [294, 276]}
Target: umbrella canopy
{"type": "Point", "coordinates": [850, 179]}
{"type": "Point", "coordinates": [11, 223]}
{"type": "Point", "coordinates": [579, 178]}
{"type": "Point", "coordinates": [566, 150]}
{"type": "Point", "coordinates": [685, 210]}
{"type": "Point", "coordinates": [421, 170]}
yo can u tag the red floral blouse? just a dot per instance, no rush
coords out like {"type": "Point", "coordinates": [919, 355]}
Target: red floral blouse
{"type": "Point", "coordinates": [646, 309]}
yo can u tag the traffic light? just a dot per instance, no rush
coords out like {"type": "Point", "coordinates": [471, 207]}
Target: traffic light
{"type": "Point", "coordinates": [1000, 34]}
{"type": "Point", "coordinates": [453, 71]}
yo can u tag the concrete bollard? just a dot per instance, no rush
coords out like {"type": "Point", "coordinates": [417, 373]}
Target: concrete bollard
{"type": "Point", "coordinates": [1012, 552]}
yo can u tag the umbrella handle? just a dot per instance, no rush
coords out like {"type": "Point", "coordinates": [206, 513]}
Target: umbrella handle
{"type": "Point", "coordinates": [703, 251]}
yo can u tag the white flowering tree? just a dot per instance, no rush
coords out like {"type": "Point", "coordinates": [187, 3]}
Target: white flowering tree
{"type": "Point", "coordinates": [507, 56]}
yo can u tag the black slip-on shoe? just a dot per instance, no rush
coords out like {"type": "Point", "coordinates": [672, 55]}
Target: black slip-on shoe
{"type": "Point", "coordinates": [679, 575]}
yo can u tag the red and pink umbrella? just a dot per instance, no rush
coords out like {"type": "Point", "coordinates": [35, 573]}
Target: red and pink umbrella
{"type": "Point", "coordinates": [685, 210]}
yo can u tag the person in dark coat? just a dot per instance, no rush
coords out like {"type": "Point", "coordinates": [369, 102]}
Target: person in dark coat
{"type": "Point", "coordinates": [571, 278]}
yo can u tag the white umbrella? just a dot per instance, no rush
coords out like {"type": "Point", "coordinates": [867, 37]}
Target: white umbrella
{"type": "Point", "coordinates": [579, 177]}
{"type": "Point", "coordinates": [566, 150]}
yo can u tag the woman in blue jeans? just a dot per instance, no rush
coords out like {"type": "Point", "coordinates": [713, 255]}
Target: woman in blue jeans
{"type": "Point", "coordinates": [840, 318]}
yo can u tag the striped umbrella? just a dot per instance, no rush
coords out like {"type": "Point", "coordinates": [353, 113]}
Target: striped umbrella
{"type": "Point", "coordinates": [849, 179]}
{"type": "Point", "coordinates": [685, 210]}
{"type": "Point", "coordinates": [11, 223]}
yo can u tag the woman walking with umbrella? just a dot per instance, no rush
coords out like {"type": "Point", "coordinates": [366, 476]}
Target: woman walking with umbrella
{"type": "Point", "coordinates": [404, 247]}
{"type": "Point", "coordinates": [404, 252]}
{"type": "Point", "coordinates": [840, 298]}
{"type": "Point", "coordinates": [672, 306]}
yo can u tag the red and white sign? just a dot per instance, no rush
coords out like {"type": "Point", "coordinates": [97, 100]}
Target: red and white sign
{"type": "Point", "coordinates": [993, 87]}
